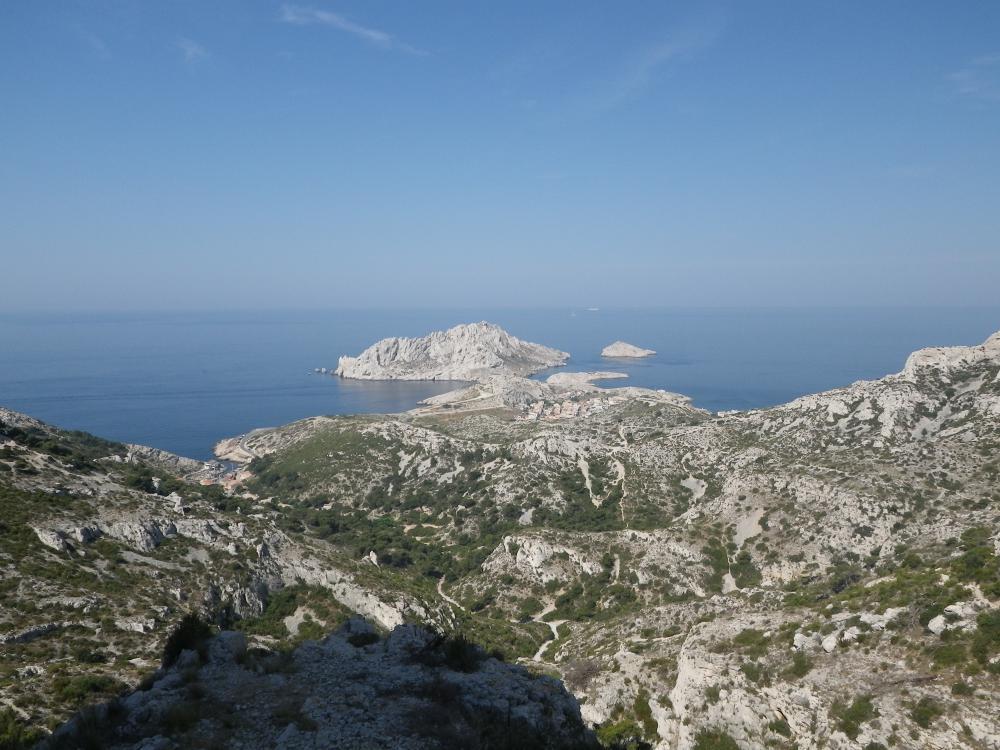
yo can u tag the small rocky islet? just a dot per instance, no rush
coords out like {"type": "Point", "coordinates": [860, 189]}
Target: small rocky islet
{"type": "Point", "coordinates": [624, 350]}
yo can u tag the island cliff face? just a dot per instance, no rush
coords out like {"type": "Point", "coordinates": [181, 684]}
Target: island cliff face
{"type": "Point", "coordinates": [470, 351]}
{"type": "Point", "coordinates": [621, 349]}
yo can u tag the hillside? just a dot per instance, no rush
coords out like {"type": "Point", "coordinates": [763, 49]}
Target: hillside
{"type": "Point", "coordinates": [820, 574]}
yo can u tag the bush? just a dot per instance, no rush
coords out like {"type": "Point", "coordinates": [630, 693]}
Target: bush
{"type": "Point", "coordinates": [780, 726]}
{"type": "Point", "coordinates": [949, 655]}
{"type": "Point", "coordinates": [358, 640]}
{"type": "Point", "coordinates": [14, 734]}
{"type": "Point", "coordinates": [461, 654]}
{"type": "Point", "coordinates": [77, 689]}
{"type": "Point", "coordinates": [644, 713]}
{"type": "Point", "coordinates": [801, 665]}
{"type": "Point", "coordinates": [962, 688]}
{"type": "Point", "coordinates": [751, 642]}
{"type": "Point", "coordinates": [986, 641]}
{"type": "Point", "coordinates": [755, 673]}
{"type": "Point", "coordinates": [280, 604]}
{"type": "Point", "coordinates": [925, 712]}
{"type": "Point", "coordinates": [191, 633]}
{"type": "Point", "coordinates": [579, 673]}
{"type": "Point", "coordinates": [714, 739]}
{"type": "Point", "coordinates": [622, 735]}
{"type": "Point", "coordinates": [850, 718]}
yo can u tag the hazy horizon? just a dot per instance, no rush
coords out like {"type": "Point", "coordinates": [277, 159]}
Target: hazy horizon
{"type": "Point", "coordinates": [312, 155]}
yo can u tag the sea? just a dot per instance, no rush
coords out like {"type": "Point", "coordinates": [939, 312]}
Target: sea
{"type": "Point", "coordinates": [183, 381]}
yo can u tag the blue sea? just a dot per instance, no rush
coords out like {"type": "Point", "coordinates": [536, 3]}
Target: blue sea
{"type": "Point", "coordinates": [184, 381]}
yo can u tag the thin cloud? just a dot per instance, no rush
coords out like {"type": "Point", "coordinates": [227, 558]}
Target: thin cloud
{"type": "Point", "coordinates": [639, 70]}
{"type": "Point", "coordinates": [306, 16]}
{"type": "Point", "coordinates": [191, 51]}
{"type": "Point", "coordinates": [96, 44]}
{"type": "Point", "coordinates": [980, 79]}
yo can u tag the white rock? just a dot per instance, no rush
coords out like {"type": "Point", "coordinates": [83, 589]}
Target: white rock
{"type": "Point", "coordinates": [466, 352]}
{"type": "Point", "coordinates": [52, 539]}
{"type": "Point", "coordinates": [622, 349]}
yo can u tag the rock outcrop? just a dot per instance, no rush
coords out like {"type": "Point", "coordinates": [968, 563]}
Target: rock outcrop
{"type": "Point", "coordinates": [353, 689]}
{"type": "Point", "coordinates": [471, 351]}
{"type": "Point", "coordinates": [622, 349]}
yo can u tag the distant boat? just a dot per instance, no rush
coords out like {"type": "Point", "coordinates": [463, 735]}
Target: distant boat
{"type": "Point", "coordinates": [593, 309]}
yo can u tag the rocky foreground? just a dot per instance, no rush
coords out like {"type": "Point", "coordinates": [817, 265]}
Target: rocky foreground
{"type": "Point", "coordinates": [821, 574]}
{"type": "Point", "coordinates": [354, 689]}
{"type": "Point", "coordinates": [465, 352]}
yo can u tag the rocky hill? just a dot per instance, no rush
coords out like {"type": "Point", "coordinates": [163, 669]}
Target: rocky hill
{"type": "Point", "coordinates": [465, 352]}
{"type": "Point", "coordinates": [824, 573]}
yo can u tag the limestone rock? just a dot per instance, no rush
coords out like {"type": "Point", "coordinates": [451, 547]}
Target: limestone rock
{"type": "Point", "coordinates": [622, 349]}
{"type": "Point", "coordinates": [466, 352]}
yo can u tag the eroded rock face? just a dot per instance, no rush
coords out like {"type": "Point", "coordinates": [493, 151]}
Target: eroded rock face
{"type": "Point", "coordinates": [466, 352]}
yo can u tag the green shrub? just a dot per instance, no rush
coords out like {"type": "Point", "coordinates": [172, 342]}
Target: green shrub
{"type": "Point", "coordinates": [358, 640]}
{"type": "Point", "coordinates": [800, 666]}
{"type": "Point", "coordinates": [949, 654]}
{"type": "Point", "coordinates": [191, 633]}
{"type": "Point", "coordinates": [454, 651]}
{"type": "Point", "coordinates": [850, 718]}
{"type": "Point", "coordinates": [714, 739]}
{"type": "Point", "coordinates": [962, 688]}
{"type": "Point", "coordinates": [644, 714]}
{"type": "Point", "coordinates": [15, 734]}
{"type": "Point", "coordinates": [755, 673]}
{"type": "Point", "coordinates": [925, 711]}
{"type": "Point", "coordinates": [621, 735]}
{"type": "Point", "coordinates": [986, 641]}
{"type": "Point", "coordinates": [752, 642]}
{"type": "Point", "coordinates": [780, 726]}
{"type": "Point", "coordinates": [78, 688]}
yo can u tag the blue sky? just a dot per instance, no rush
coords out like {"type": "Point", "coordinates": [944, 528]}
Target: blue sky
{"type": "Point", "coordinates": [190, 155]}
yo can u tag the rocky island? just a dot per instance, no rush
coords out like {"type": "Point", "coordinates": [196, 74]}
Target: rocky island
{"type": "Point", "coordinates": [470, 351]}
{"type": "Point", "coordinates": [819, 574]}
{"type": "Point", "coordinates": [622, 349]}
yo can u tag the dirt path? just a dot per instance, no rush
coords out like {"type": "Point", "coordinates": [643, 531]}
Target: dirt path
{"type": "Point", "coordinates": [585, 470]}
{"type": "Point", "coordinates": [553, 626]}
{"type": "Point", "coordinates": [620, 470]}
{"type": "Point", "coordinates": [447, 598]}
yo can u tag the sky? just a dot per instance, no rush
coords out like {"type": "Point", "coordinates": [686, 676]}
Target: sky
{"type": "Point", "coordinates": [191, 155]}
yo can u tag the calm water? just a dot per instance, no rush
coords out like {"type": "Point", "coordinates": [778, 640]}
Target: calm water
{"type": "Point", "coordinates": [182, 382]}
